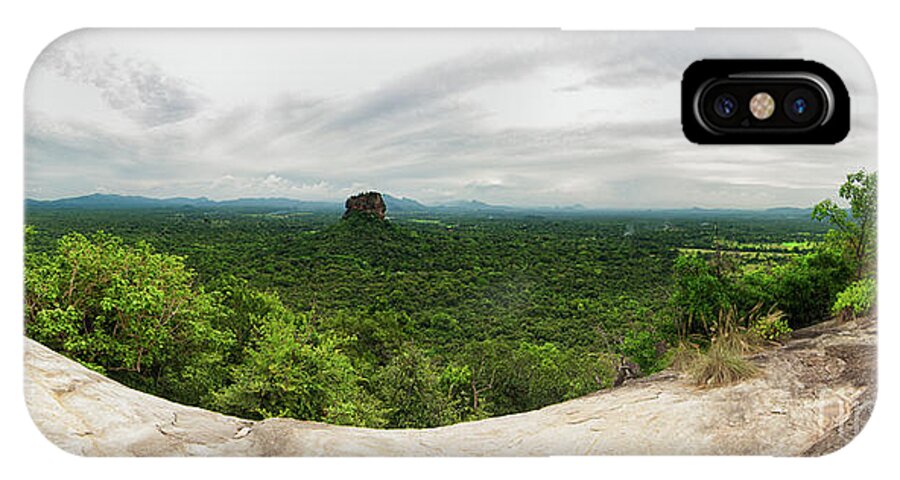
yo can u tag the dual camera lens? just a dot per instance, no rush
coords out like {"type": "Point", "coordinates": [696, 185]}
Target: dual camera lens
{"type": "Point", "coordinates": [799, 105]}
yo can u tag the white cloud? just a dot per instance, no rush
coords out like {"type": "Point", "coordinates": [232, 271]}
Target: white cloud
{"type": "Point", "coordinates": [137, 88]}
{"type": "Point", "coordinates": [504, 117]}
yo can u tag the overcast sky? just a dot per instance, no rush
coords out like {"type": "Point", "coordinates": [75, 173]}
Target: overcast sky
{"type": "Point", "coordinates": [516, 117]}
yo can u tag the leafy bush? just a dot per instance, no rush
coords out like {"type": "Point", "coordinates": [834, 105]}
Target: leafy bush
{"type": "Point", "coordinates": [805, 288]}
{"type": "Point", "coordinates": [772, 327]}
{"type": "Point", "coordinates": [698, 294]}
{"type": "Point", "coordinates": [646, 348]}
{"type": "Point", "coordinates": [754, 288]}
{"type": "Point", "coordinates": [857, 299]}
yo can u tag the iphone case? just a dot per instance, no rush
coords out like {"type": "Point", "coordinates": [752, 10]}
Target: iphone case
{"type": "Point", "coordinates": [437, 242]}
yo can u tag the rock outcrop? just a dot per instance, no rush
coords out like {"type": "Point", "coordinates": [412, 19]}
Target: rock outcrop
{"type": "Point", "coordinates": [813, 396]}
{"type": "Point", "coordinates": [368, 203]}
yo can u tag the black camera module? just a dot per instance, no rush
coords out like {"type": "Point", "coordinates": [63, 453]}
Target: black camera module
{"type": "Point", "coordinates": [805, 102]}
{"type": "Point", "coordinates": [725, 105]}
{"type": "Point", "coordinates": [801, 105]}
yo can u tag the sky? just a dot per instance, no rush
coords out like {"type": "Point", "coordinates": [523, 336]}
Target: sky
{"type": "Point", "coordinates": [511, 117]}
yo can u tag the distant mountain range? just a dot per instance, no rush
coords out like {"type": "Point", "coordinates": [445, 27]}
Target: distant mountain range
{"type": "Point", "coordinates": [119, 202]}
{"type": "Point", "coordinates": [100, 201]}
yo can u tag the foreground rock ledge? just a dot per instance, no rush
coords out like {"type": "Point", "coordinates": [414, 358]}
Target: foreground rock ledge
{"type": "Point", "coordinates": [813, 396]}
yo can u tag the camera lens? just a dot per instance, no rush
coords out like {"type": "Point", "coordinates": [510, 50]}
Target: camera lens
{"type": "Point", "coordinates": [725, 105]}
{"type": "Point", "coordinates": [801, 105]}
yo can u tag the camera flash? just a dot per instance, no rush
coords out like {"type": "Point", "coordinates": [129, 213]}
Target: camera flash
{"type": "Point", "coordinates": [762, 105]}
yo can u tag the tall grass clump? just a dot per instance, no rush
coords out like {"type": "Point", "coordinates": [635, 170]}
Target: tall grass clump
{"type": "Point", "coordinates": [720, 365]}
{"type": "Point", "coordinates": [723, 362]}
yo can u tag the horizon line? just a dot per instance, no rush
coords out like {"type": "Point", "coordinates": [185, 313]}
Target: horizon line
{"type": "Point", "coordinates": [450, 204]}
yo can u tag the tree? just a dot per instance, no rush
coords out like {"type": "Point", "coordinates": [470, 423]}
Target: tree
{"type": "Point", "coordinates": [410, 387]}
{"type": "Point", "coordinates": [534, 375]}
{"type": "Point", "coordinates": [806, 287]}
{"type": "Point", "coordinates": [698, 294]}
{"type": "Point", "coordinates": [377, 335]}
{"type": "Point", "coordinates": [128, 312]}
{"type": "Point", "coordinates": [290, 370]}
{"type": "Point", "coordinates": [855, 229]}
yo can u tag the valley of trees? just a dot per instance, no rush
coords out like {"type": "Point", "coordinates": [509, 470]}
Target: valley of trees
{"type": "Point", "coordinates": [431, 319]}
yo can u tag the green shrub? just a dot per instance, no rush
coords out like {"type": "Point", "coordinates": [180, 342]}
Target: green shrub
{"type": "Point", "coordinates": [805, 288]}
{"type": "Point", "coordinates": [857, 299]}
{"type": "Point", "coordinates": [643, 348]}
{"type": "Point", "coordinates": [772, 327]}
{"type": "Point", "coordinates": [698, 294]}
